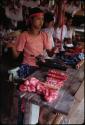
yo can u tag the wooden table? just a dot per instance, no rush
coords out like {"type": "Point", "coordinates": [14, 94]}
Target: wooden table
{"type": "Point", "coordinates": [65, 100]}
{"type": "Point", "coordinates": [66, 94]}
{"type": "Point", "coordinates": [61, 105]}
{"type": "Point", "coordinates": [75, 79]}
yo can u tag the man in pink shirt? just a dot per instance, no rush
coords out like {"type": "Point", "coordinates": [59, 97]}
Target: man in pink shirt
{"type": "Point", "coordinates": [32, 42]}
{"type": "Point", "coordinates": [32, 46]}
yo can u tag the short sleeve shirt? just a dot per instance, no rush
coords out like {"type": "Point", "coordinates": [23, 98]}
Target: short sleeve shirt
{"type": "Point", "coordinates": [50, 32]}
{"type": "Point", "coordinates": [57, 33]}
{"type": "Point", "coordinates": [32, 46]}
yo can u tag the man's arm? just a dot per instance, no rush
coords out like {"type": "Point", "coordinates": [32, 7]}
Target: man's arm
{"type": "Point", "coordinates": [53, 51]}
{"type": "Point", "coordinates": [13, 47]}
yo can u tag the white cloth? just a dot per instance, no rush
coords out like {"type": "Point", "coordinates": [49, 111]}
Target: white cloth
{"type": "Point", "coordinates": [13, 73]}
{"type": "Point", "coordinates": [70, 33]}
{"type": "Point", "coordinates": [30, 3]}
{"type": "Point", "coordinates": [58, 30]}
{"type": "Point", "coordinates": [57, 34]}
{"type": "Point", "coordinates": [31, 115]}
{"type": "Point", "coordinates": [34, 114]}
{"type": "Point", "coordinates": [69, 45]}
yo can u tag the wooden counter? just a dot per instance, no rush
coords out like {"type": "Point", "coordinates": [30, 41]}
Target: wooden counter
{"type": "Point", "coordinates": [76, 77]}
{"type": "Point", "coordinates": [66, 94]}
{"type": "Point", "coordinates": [61, 105]}
{"type": "Point", "coordinates": [65, 100]}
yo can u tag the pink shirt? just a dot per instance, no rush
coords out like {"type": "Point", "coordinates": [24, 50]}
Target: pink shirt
{"type": "Point", "coordinates": [32, 46]}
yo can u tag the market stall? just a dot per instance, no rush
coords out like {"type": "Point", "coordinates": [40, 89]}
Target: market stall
{"type": "Point", "coordinates": [55, 81]}
{"type": "Point", "coordinates": [66, 95]}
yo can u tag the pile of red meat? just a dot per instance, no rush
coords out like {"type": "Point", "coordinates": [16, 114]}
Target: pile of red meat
{"type": "Point", "coordinates": [49, 89]}
{"type": "Point", "coordinates": [56, 78]}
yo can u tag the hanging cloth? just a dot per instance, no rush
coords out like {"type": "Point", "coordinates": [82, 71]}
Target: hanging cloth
{"type": "Point", "coordinates": [14, 13]}
{"type": "Point", "coordinates": [30, 3]}
{"type": "Point", "coordinates": [60, 17]}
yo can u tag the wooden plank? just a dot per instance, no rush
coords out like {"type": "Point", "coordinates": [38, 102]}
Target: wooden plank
{"type": "Point", "coordinates": [62, 104]}
{"type": "Point", "coordinates": [65, 100]}
{"type": "Point", "coordinates": [75, 79]}
{"type": "Point", "coordinates": [57, 120]}
{"type": "Point", "coordinates": [80, 93]}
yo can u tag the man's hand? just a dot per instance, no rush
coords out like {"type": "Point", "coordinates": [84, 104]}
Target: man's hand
{"type": "Point", "coordinates": [41, 58]}
{"type": "Point", "coordinates": [10, 45]}
{"type": "Point", "coordinates": [56, 50]}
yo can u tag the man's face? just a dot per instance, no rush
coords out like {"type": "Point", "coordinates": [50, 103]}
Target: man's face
{"type": "Point", "coordinates": [37, 21]}
{"type": "Point", "coordinates": [51, 24]}
{"type": "Point", "coordinates": [69, 22]}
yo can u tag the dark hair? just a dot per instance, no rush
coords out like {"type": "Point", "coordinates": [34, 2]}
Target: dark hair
{"type": "Point", "coordinates": [68, 16]}
{"type": "Point", "coordinates": [48, 17]}
{"type": "Point", "coordinates": [34, 11]}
